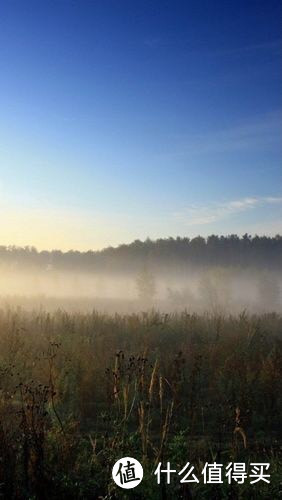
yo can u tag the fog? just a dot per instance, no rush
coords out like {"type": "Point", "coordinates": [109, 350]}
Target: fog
{"type": "Point", "coordinates": [213, 288]}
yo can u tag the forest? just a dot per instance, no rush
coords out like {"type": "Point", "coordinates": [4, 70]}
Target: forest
{"type": "Point", "coordinates": [222, 274]}
{"type": "Point", "coordinates": [246, 251]}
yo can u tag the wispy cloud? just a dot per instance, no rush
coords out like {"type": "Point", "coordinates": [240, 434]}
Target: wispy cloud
{"type": "Point", "coordinates": [273, 46]}
{"type": "Point", "coordinates": [258, 134]}
{"type": "Point", "coordinates": [207, 214]}
{"type": "Point", "coordinates": [153, 41]}
{"type": "Point", "coordinates": [262, 133]}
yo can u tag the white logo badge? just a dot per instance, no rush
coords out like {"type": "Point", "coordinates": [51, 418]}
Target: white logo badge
{"type": "Point", "coordinates": [127, 473]}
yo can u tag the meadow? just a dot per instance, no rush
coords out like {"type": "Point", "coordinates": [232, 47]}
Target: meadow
{"type": "Point", "coordinates": [80, 390]}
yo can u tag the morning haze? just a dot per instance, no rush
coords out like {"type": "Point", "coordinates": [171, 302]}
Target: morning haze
{"type": "Point", "coordinates": [140, 249]}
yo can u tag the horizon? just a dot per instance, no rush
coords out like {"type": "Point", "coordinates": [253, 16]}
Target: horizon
{"type": "Point", "coordinates": [122, 122]}
{"type": "Point", "coordinates": [147, 240]}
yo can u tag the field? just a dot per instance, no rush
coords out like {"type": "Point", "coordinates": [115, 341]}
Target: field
{"type": "Point", "coordinates": [80, 390]}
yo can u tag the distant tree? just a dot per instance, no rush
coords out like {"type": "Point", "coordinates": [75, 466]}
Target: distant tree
{"type": "Point", "coordinates": [268, 291]}
{"type": "Point", "coordinates": [214, 289]}
{"type": "Point", "coordinates": [180, 297]}
{"type": "Point", "coordinates": [146, 285]}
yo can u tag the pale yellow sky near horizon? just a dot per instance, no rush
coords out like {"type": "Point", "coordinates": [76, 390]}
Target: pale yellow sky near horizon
{"type": "Point", "coordinates": [50, 228]}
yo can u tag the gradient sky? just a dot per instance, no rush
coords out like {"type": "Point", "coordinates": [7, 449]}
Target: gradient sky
{"type": "Point", "coordinates": [132, 119]}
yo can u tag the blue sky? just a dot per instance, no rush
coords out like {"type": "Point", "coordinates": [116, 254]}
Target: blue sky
{"type": "Point", "coordinates": [127, 119]}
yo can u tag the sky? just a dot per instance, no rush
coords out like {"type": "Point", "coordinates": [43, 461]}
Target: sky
{"type": "Point", "coordinates": [122, 120]}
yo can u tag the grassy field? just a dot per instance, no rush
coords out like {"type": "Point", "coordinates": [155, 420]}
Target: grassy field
{"type": "Point", "coordinates": [79, 391]}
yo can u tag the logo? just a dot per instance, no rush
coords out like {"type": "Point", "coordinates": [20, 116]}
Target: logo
{"type": "Point", "coordinates": [127, 472]}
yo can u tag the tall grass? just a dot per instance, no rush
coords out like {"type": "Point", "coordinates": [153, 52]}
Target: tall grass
{"type": "Point", "coordinates": [78, 391]}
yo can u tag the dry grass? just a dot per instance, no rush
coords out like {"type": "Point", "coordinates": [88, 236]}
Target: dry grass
{"type": "Point", "coordinates": [78, 391]}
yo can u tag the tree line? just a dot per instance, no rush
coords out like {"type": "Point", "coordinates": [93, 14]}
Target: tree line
{"type": "Point", "coordinates": [177, 253]}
